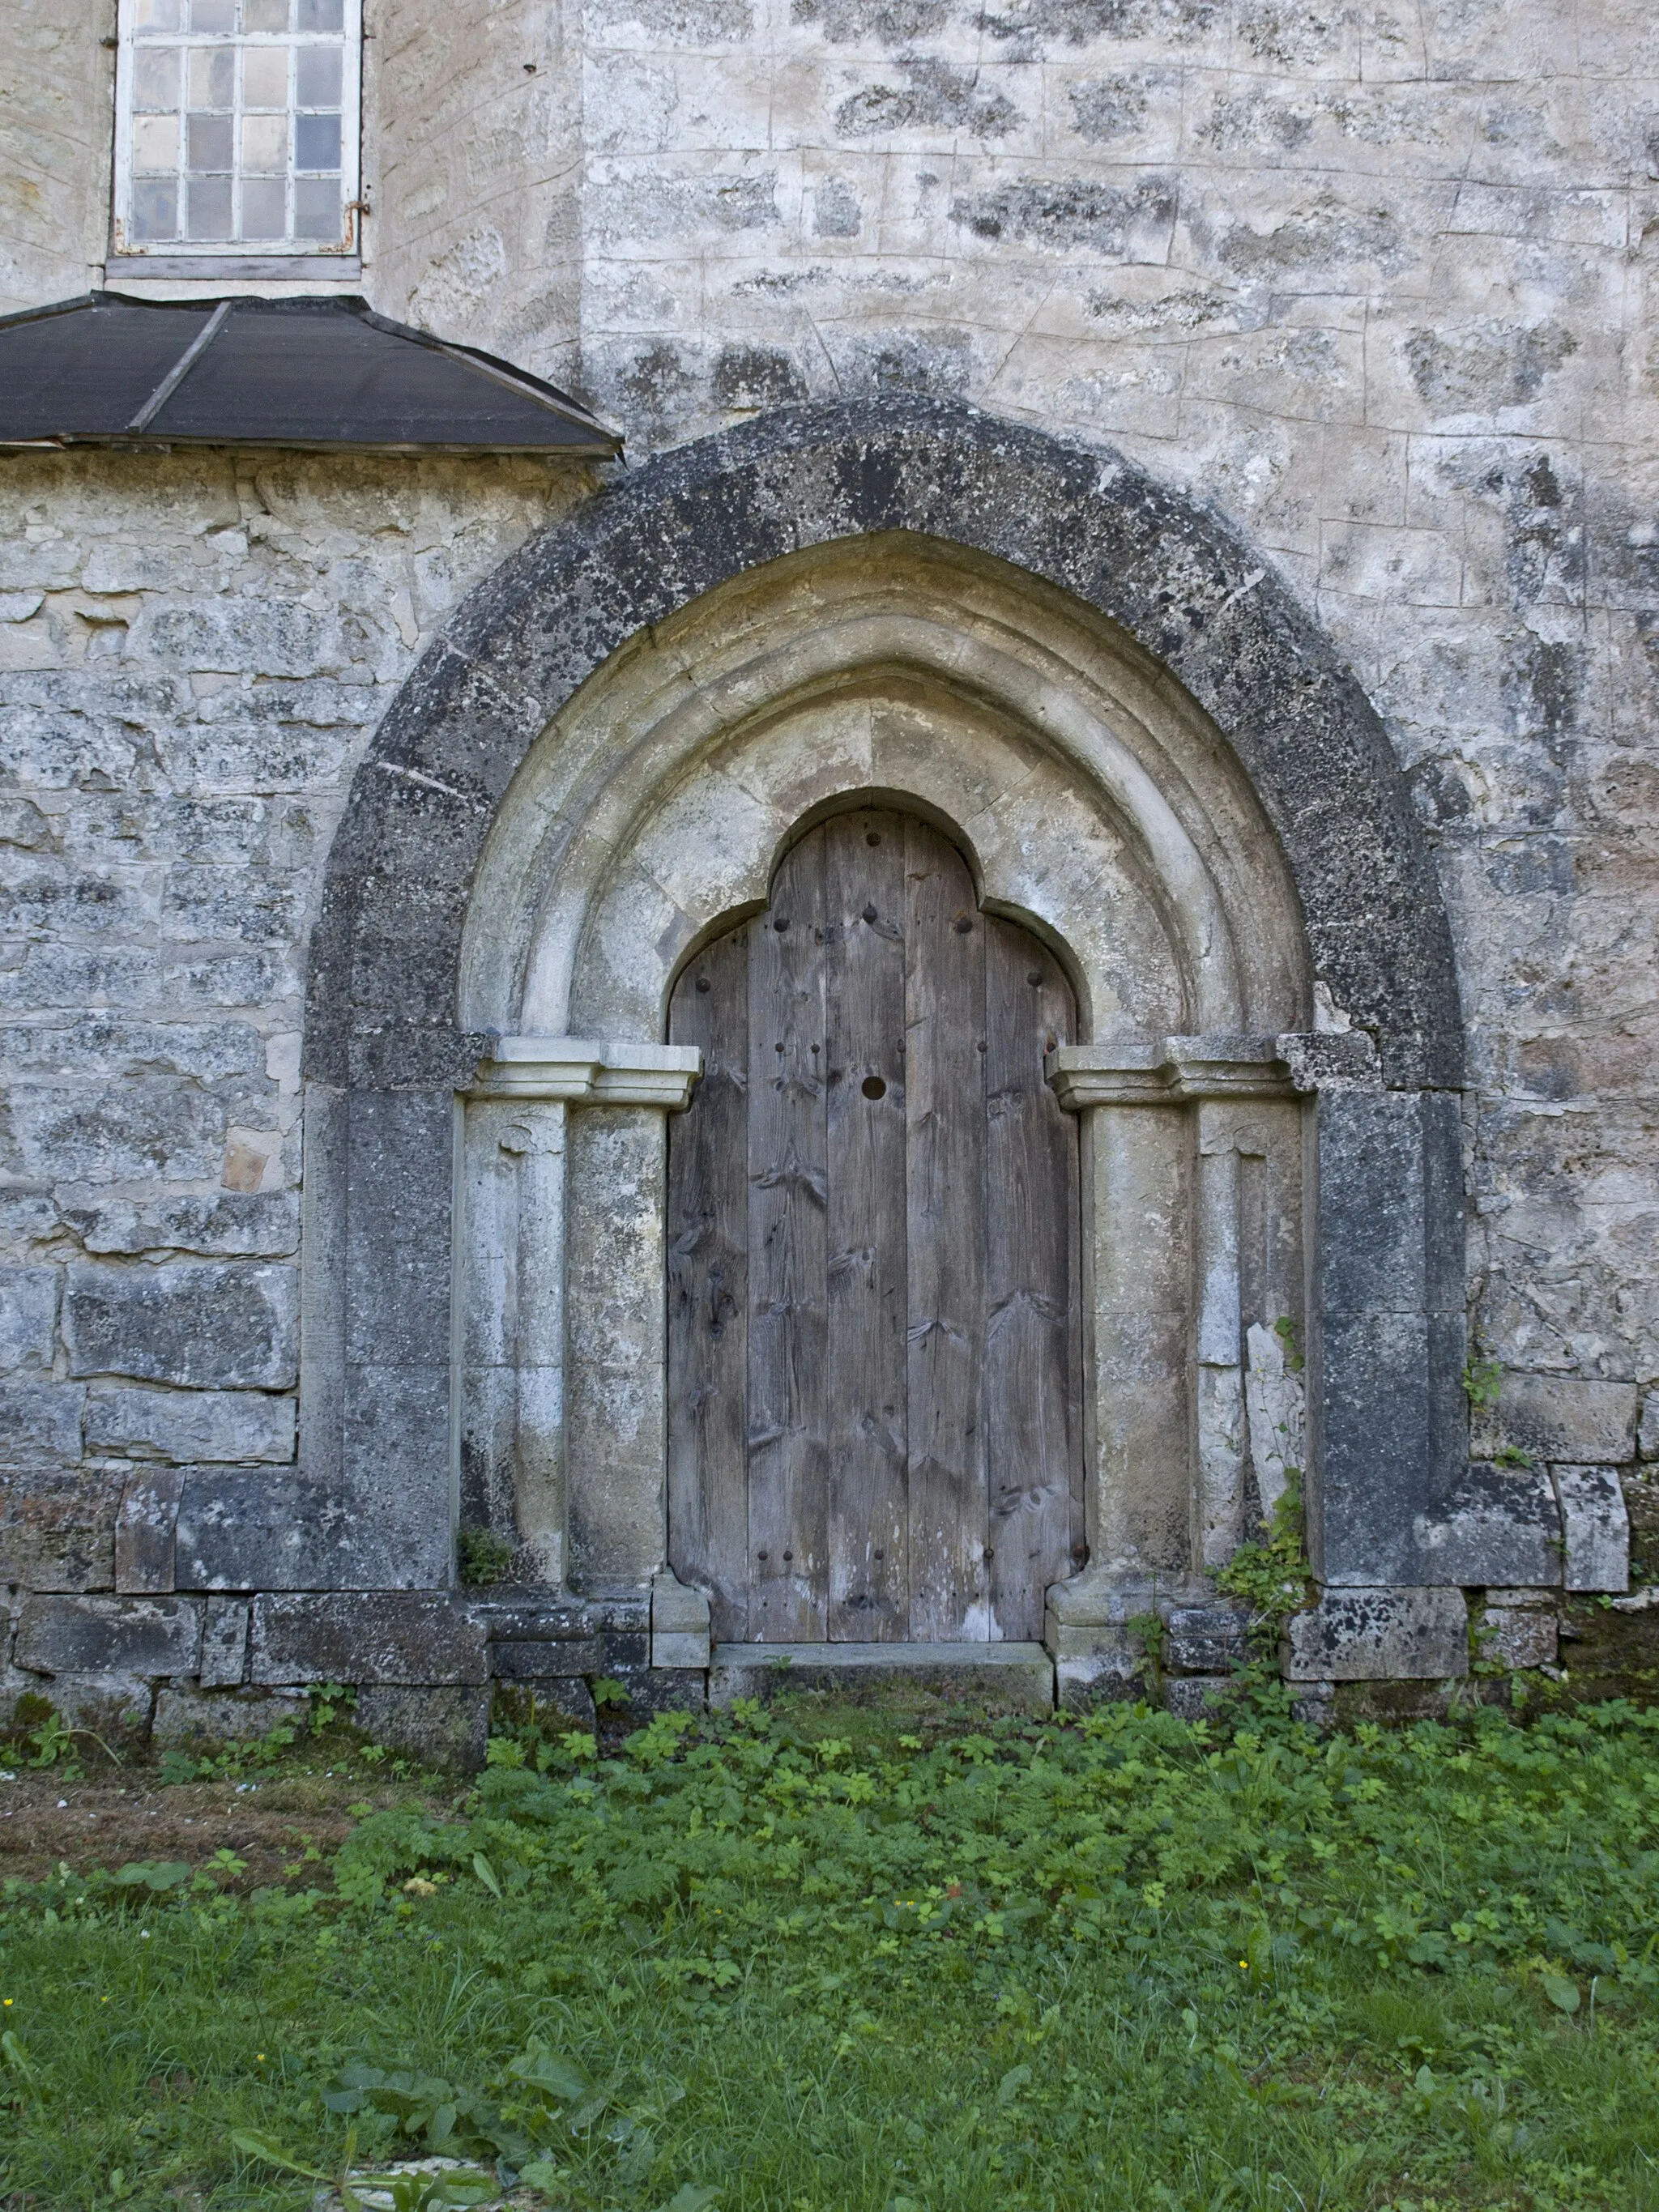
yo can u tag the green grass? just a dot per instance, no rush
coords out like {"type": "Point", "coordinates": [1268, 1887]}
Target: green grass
{"type": "Point", "coordinates": [823, 1967]}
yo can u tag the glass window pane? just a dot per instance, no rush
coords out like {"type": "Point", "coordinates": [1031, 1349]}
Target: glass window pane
{"type": "Point", "coordinates": [207, 143]}
{"type": "Point", "coordinates": [207, 207]}
{"type": "Point", "coordinates": [213, 14]}
{"type": "Point", "coordinates": [155, 15]}
{"type": "Point", "coordinates": [265, 145]}
{"type": "Point", "coordinates": [212, 76]}
{"type": "Point", "coordinates": [317, 142]}
{"type": "Point", "coordinates": [317, 209]}
{"type": "Point", "coordinates": [265, 15]}
{"type": "Point", "coordinates": [155, 80]}
{"type": "Point", "coordinates": [155, 209]}
{"type": "Point", "coordinates": [264, 76]}
{"type": "Point", "coordinates": [322, 15]}
{"type": "Point", "coordinates": [318, 76]}
{"type": "Point", "coordinates": [265, 214]}
{"type": "Point", "coordinates": [155, 144]}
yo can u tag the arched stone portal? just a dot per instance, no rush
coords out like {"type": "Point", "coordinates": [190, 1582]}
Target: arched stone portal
{"type": "Point", "coordinates": [1155, 766]}
{"type": "Point", "coordinates": [1102, 815]}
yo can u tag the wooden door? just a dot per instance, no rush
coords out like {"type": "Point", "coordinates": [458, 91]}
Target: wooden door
{"type": "Point", "coordinates": [873, 1224]}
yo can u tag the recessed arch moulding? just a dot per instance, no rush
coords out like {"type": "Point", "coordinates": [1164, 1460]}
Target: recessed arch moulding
{"type": "Point", "coordinates": [1146, 756]}
{"type": "Point", "coordinates": [1094, 805]}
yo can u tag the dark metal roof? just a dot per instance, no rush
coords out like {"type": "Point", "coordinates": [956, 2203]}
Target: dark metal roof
{"type": "Point", "coordinates": [327, 374]}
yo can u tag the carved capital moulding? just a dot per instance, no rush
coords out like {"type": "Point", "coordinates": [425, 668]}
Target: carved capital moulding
{"type": "Point", "coordinates": [1176, 1070]}
{"type": "Point", "coordinates": [589, 1071]}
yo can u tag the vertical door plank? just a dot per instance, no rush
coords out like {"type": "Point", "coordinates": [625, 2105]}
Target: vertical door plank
{"type": "Point", "coordinates": [788, 1485]}
{"type": "Point", "coordinates": [944, 1115]}
{"type": "Point", "coordinates": [1031, 1441]}
{"type": "Point", "coordinates": [864, 873]}
{"type": "Point", "coordinates": [708, 1289]}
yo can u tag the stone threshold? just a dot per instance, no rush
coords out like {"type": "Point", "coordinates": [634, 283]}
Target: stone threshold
{"type": "Point", "coordinates": [994, 1677]}
{"type": "Point", "coordinates": [901, 1657]}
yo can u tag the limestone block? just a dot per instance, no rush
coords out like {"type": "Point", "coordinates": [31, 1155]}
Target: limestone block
{"type": "Point", "coordinates": [205, 1325]}
{"type": "Point", "coordinates": [231, 1223]}
{"type": "Point", "coordinates": [1082, 1679]}
{"type": "Point", "coordinates": [28, 1309]}
{"type": "Point", "coordinates": [1373, 1240]}
{"type": "Point", "coordinates": [1205, 1640]}
{"type": "Point", "coordinates": [232, 1426]}
{"type": "Point", "coordinates": [653, 1690]}
{"type": "Point", "coordinates": [185, 1714]}
{"type": "Point", "coordinates": [1500, 1525]}
{"type": "Point", "coordinates": [262, 1528]}
{"type": "Point", "coordinates": [102, 1044]}
{"type": "Point", "coordinates": [541, 1659]}
{"type": "Point", "coordinates": [113, 1637]}
{"type": "Point", "coordinates": [144, 1533]}
{"type": "Point", "coordinates": [1315, 1705]}
{"type": "Point", "coordinates": [1647, 1434]}
{"type": "Point", "coordinates": [442, 1725]}
{"type": "Point", "coordinates": [57, 1527]}
{"type": "Point", "coordinates": [1198, 1697]}
{"type": "Point", "coordinates": [986, 1677]}
{"type": "Point", "coordinates": [41, 1423]}
{"type": "Point", "coordinates": [105, 1132]}
{"type": "Point", "coordinates": [538, 1614]}
{"type": "Point", "coordinates": [679, 1624]}
{"type": "Point", "coordinates": [364, 1636]}
{"type": "Point", "coordinates": [1275, 1404]}
{"type": "Point", "coordinates": [1379, 1635]}
{"type": "Point", "coordinates": [1518, 1636]}
{"type": "Point", "coordinates": [1572, 1418]}
{"type": "Point", "coordinates": [1595, 1527]}
{"type": "Point", "coordinates": [224, 1643]}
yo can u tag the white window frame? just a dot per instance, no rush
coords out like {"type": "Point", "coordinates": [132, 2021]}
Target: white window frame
{"type": "Point", "coordinates": [225, 256]}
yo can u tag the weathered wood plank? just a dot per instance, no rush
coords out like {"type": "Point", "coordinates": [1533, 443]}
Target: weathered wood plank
{"type": "Point", "coordinates": [788, 1486]}
{"type": "Point", "coordinates": [708, 1289]}
{"type": "Point", "coordinates": [944, 1113]}
{"type": "Point", "coordinates": [1033, 1451]}
{"type": "Point", "coordinates": [869, 1586]}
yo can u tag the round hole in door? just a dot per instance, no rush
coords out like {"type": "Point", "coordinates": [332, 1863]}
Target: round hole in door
{"type": "Point", "coordinates": [873, 1087]}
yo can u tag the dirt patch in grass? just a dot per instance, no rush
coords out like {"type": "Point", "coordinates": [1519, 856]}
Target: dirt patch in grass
{"type": "Point", "coordinates": [284, 1828]}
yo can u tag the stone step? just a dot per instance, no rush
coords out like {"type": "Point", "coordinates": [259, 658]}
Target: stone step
{"type": "Point", "coordinates": [987, 1677]}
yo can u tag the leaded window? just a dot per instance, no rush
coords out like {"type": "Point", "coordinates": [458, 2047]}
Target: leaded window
{"type": "Point", "coordinates": [236, 126]}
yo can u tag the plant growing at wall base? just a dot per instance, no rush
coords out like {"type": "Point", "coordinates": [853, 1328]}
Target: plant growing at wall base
{"type": "Point", "coordinates": [1483, 1380]}
{"type": "Point", "coordinates": [484, 1557]}
{"type": "Point", "coordinates": [1271, 1575]}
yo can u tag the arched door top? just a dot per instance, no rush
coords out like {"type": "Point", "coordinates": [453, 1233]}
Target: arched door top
{"type": "Point", "coordinates": [1173, 579]}
{"type": "Point", "coordinates": [874, 1429]}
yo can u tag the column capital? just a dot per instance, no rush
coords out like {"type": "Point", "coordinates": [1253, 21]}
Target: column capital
{"type": "Point", "coordinates": [589, 1071]}
{"type": "Point", "coordinates": [1167, 1070]}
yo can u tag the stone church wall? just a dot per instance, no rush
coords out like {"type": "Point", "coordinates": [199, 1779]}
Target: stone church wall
{"type": "Point", "coordinates": [195, 653]}
{"type": "Point", "coordinates": [1376, 281]}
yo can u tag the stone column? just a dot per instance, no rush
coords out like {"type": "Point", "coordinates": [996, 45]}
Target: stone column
{"type": "Point", "coordinates": [563, 1312]}
{"type": "Point", "coordinates": [1164, 1266]}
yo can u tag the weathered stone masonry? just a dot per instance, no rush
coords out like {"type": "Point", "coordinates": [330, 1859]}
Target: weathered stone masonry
{"type": "Point", "coordinates": [1364, 294]}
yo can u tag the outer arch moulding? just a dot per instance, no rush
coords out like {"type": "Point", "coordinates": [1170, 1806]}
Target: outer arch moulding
{"type": "Point", "coordinates": [385, 1055]}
